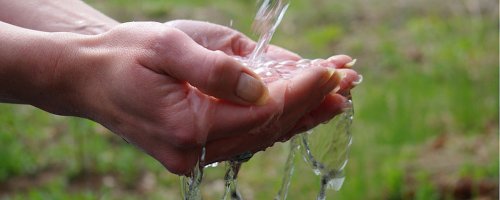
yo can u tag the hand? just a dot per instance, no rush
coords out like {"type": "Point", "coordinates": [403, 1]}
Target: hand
{"type": "Point", "coordinates": [227, 40]}
{"type": "Point", "coordinates": [155, 86]}
{"type": "Point", "coordinates": [232, 42]}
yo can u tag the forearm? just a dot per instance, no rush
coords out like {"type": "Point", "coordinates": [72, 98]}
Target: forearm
{"type": "Point", "coordinates": [29, 62]}
{"type": "Point", "coordinates": [55, 16]}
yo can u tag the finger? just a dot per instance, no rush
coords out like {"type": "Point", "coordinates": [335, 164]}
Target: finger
{"type": "Point", "coordinates": [332, 105]}
{"type": "Point", "coordinates": [235, 43]}
{"type": "Point", "coordinates": [230, 147]}
{"type": "Point", "coordinates": [279, 53]}
{"type": "Point", "coordinates": [329, 108]}
{"type": "Point", "coordinates": [350, 79]}
{"type": "Point", "coordinates": [216, 37]}
{"type": "Point", "coordinates": [288, 101]}
{"type": "Point", "coordinates": [212, 72]}
{"type": "Point", "coordinates": [302, 88]}
{"type": "Point", "coordinates": [340, 61]}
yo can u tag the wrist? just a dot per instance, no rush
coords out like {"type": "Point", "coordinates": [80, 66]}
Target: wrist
{"type": "Point", "coordinates": [45, 70]}
{"type": "Point", "coordinates": [60, 85]}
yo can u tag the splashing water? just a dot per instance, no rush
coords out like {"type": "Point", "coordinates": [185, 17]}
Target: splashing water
{"type": "Point", "coordinates": [190, 185]}
{"type": "Point", "coordinates": [327, 152]}
{"type": "Point", "coordinates": [233, 168]}
{"type": "Point", "coordinates": [284, 69]}
{"type": "Point", "coordinates": [268, 17]}
{"type": "Point", "coordinates": [289, 168]}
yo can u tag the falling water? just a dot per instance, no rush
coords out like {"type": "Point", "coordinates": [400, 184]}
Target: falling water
{"type": "Point", "coordinates": [266, 21]}
{"type": "Point", "coordinates": [289, 168]}
{"type": "Point", "coordinates": [190, 185]}
{"type": "Point", "coordinates": [327, 152]}
{"type": "Point", "coordinates": [233, 167]}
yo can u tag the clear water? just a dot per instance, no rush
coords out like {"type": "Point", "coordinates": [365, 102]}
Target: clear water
{"type": "Point", "coordinates": [289, 169]}
{"type": "Point", "coordinates": [233, 168]}
{"type": "Point", "coordinates": [326, 149]}
{"type": "Point", "coordinates": [266, 21]}
{"type": "Point", "coordinates": [284, 69]}
{"type": "Point", "coordinates": [191, 185]}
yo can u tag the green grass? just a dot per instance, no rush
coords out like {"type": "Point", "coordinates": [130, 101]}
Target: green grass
{"type": "Point", "coordinates": [431, 75]}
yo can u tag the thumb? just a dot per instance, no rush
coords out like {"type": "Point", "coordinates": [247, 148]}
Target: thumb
{"type": "Point", "coordinates": [212, 72]}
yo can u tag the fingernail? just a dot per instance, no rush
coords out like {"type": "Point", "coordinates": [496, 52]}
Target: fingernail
{"type": "Point", "coordinates": [251, 89]}
{"type": "Point", "coordinates": [338, 78]}
{"type": "Point", "coordinates": [358, 81]}
{"type": "Point", "coordinates": [350, 64]}
{"type": "Point", "coordinates": [326, 77]}
{"type": "Point", "coordinates": [343, 74]}
{"type": "Point", "coordinates": [339, 75]}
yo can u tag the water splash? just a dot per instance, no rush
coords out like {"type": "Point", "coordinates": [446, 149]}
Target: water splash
{"type": "Point", "coordinates": [233, 168]}
{"type": "Point", "coordinates": [289, 169]}
{"type": "Point", "coordinates": [327, 152]}
{"type": "Point", "coordinates": [284, 69]}
{"type": "Point", "coordinates": [266, 21]}
{"type": "Point", "coordinates": [190, 185]}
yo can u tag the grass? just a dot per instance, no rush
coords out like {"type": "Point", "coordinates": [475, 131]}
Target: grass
{"type": "Point", "coordinates": [426, 118]}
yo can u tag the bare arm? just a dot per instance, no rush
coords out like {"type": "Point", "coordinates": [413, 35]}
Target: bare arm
{"type": "Point", "coordinates": [55, 16]}
{"type": "Point", "coordinates": [27, 60]}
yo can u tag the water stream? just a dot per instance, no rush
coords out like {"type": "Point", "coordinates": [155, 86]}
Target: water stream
{"type": "Point", "coordinates": [267, 19]}
{"type": "Point", "coordinates": [289, 169]}
{"type": "Point", "coordinates": [191, 185]}
{"type": "Point", "coordinates": [233, 168]}
{"type": "Point", "coordinates": [326, 149]}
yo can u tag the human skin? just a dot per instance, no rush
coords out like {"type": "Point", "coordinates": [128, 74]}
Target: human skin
{"type": "Point", "coordinates": [164, 90]}
{"type": "Point", "coordinates": [55, 16]}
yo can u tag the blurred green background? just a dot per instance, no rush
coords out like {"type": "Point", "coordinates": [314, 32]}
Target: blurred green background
{"type": "Point", "coordinates": [426, 123]}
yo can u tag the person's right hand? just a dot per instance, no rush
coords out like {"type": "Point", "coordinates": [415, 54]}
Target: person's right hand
{"type": "Point", "coordinates": [154, 86]}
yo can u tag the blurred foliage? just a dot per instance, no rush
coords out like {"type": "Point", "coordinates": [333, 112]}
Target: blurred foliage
{"type": "Point", "coordinates": [426, 124]}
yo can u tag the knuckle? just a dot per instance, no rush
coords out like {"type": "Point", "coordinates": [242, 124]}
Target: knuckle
{"type": "Point", "coordinates": [170, 35]}
{"type": "Point", "coordinates": [161, 38]}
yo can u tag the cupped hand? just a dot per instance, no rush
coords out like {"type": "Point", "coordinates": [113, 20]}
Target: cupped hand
{"type": "Point", "coordinates": [157, 87]}
{"type": "Point", "coordinates": [232, 42]}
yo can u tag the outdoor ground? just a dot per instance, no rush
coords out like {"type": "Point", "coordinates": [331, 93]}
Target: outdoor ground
{"type": "Point", "coordinates": [426, 122]}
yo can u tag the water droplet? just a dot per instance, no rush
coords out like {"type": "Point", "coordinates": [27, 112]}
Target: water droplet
{"type": "Point", "coordinates": [215, 164]}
